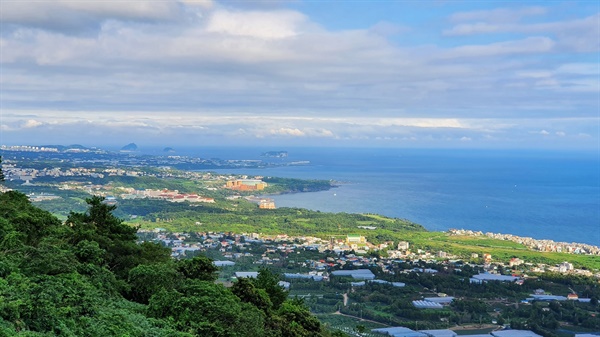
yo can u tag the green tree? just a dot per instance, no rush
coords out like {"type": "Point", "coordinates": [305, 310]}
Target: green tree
{"type": "Point", "coordinates": [269, 281]}
{"type": "Point", "coordinates": [198, 268]}
{"type": "Point", "coordinates": [147, 280]}
{"type": "Point", "coordinates": [117, 239]}
{"type": "Point", "coordinates": [247, 292]}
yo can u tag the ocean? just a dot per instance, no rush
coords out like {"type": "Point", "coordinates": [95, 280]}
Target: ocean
{"type": "Point", "coordinates": [541, 194]}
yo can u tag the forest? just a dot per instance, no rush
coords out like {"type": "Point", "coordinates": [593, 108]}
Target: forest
{"type": "Point", "coordinates": [89, 277]}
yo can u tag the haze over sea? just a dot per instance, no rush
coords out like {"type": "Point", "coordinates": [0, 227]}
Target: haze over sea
{"type": "Point", "coordinates": [539, 194]}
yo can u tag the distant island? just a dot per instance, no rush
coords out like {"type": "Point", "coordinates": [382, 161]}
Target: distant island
{"type": "Point", "coordinates": [129, 147]}
{"type": "Point", "coordinates": [275, 154]}
{"type": "Point", "coordinates": [169, 150]}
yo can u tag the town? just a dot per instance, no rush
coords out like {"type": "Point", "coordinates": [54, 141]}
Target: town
{"type": "Point", "coordinates": [341, 277]}
{"type": "Point", "coordinates": [362, 274]}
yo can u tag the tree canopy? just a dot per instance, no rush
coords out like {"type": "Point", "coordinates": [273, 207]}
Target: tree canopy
{"type": "Point", "coordinates": [89, 277]}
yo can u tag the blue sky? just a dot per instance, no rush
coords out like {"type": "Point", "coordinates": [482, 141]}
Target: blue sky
{"type": "Point", "coordinates": [491, 74]}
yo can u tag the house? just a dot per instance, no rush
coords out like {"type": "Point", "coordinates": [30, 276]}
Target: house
{"type": "Point", "coordinates": [515, 262]}
{"type": "Point", "coordinates": [403, 245]}
{"type": "Point", "coordinates": [355, 239]}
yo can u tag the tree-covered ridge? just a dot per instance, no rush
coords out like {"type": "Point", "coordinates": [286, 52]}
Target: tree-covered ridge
{"type": "Point", "coordinates": [89, 277]}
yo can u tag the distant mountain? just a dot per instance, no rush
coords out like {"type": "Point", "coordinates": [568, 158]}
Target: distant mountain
{"type": "Point", "coordinates": [168, 150]}
{"type": "Point", "coordinates": [129, 147]}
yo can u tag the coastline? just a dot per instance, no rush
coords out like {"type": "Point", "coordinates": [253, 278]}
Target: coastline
{"type": "Point", "coordinates": [541, 245]}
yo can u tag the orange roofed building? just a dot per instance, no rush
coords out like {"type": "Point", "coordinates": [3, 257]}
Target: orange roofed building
{"type": "Point", "coordinates": [246, 185]}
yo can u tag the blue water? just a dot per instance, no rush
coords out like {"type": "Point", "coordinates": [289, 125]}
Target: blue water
{"type": "Point", "coordinates": [545, 195]}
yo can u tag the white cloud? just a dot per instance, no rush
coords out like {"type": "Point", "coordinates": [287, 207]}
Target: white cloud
{"type": "Point", "coordinates": [256, 24]}
{"type": "Point", "coordinates": [287, 132]}
{"type": "Point", "coordinates": [241, 73]}
{"type": "Point", "coordinates": [498, 14]}
{"type": "Point", "coordinates": [591, 69]}
{"type": "Point", "coordinates": [525, 46]}
{"type": "Point", "coordinates": [485, 27]}
{"type": "Point", "coordinates": [577, 35]}
{"type": "Point", "coordinates": [560, 133]}
{"type": "Point", "coordinates": [31, 123]}
{"type": "Point", "coordinates": [199, 3]}
{"type": "Point", "coordinates": [72, 15]}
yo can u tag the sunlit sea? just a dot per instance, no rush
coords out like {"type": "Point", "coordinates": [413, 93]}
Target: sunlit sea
{"type": "Point", "coordinates": [539, 194]}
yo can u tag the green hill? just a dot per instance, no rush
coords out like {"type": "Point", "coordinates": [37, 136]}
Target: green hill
{"type": "Point", "coordinates": [89, 277]}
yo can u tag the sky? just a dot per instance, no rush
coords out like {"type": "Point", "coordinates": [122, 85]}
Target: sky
{"type": "Point", "coordinates": [456, 74]}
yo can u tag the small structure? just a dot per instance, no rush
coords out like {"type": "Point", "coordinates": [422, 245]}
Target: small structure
{"type": "Point", "coordinates": [548, 298]}
{"type": "Point", "coordinates": [395, 284]}
{"type": "Point", "coordinates": [223, 263]}
{"type": "Point", "coordinates": [440, 300]}
{"type": "Point", "coordinates": [355, 239]}
{"type": "Point", "coordinates": [399, 331]}
{"type": "Point", "coordinates": [485, 277]}
{"type": "Point", "coordinates": [440, 333]}
{"type": "Point", "coordinates": [360, 274]}
{"type": "Point", "coordinates": [303, 276]}
{"type": "Point", "coordinates": [427, 305]}
{"type": "Point", "coordinates": [245, 274]}
{"type": "Point", "coordinates": [514, 333]}
{"type": "Point", "coordinates": [267, 204]}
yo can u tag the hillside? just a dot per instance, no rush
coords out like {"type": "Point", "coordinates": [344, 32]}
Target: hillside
{"type": "Point", "coordinates": [90, 278]}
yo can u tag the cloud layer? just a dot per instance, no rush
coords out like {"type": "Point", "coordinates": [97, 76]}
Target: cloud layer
{"type": "Point", "coordinates": [237, 72]}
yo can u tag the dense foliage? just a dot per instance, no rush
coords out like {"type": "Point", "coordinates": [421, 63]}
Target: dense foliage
{"type": "Point", "coordinates": [89, 277]}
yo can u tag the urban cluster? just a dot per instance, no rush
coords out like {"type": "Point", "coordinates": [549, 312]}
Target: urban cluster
{"type": "Point", "coordinates": [353, 251]}
{"type": "Point", "coordinates": [534, 244]}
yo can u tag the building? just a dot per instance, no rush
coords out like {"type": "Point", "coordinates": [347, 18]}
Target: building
{"type": "Point", "coordinates": [360, 274]}
{"type": "Point", "coordinates": [355, 239]}
{"type": "Point", "coordinates": [440, 300]}
{"type": "Point", "coordinates": [515, 262]}
{"type": "Point", "coordinates": [440, 333]}
{"type": "Point", "coordinates": [514, 333]}
{"type": "Point", "coordinates": [485, 277]}
{"type": "Point", "coordinates": [303, 276]}
{"type": "Point", "coordinates": [395, 284]}
{"type": "Point", "coordinates": [398, 332]}
{"type": "Point", "coordinates": [548, 298]}
{"type": "Point", "coordinates": [246, 185]}
{"type": "Point", "coordinates": [565, 267]}
{"type": "Point", "coordinates": [427, 305]}
{"type": "Point", "coordinates": [246, 274]}
{"type": "Point", "coordinates": [266, 204]}
{"type": "Point", "coordinates": [223, 263]}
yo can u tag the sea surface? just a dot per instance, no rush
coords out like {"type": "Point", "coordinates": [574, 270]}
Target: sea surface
{"type": "Point", "coordinates": [540, 194]}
